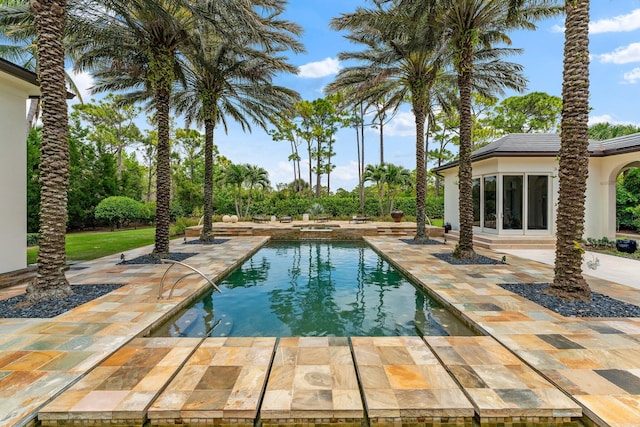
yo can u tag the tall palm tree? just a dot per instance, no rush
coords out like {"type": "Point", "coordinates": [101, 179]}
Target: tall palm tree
{"type": "Point", "coordinates": [228, 78]}
{"type": "Point", "coordinates": [470, 26]}
{"type": "Point", "coordinates": [400, 61]}
{"type": "Point", "coordinates": [51, 282]}
{"type": "Point", "coordinates": [574, 156]}
{"type": "Point", "coordinates": [139, 45]}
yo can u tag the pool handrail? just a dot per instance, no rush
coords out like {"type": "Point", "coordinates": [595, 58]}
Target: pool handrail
{"type": "Point", "coordinates": [195, 271]}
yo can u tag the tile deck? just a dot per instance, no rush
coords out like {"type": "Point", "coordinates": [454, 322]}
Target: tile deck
{"type": "Point", "coordinates": [49, 367]}
{"type": "Point", "coordinates": [121, 388]}
{"type": "Point", "coordinates": [220, 384]}
{"type": "Point", "coordinates": [312, 379]}
{"type": "Point", "coordinates": [403, 381]}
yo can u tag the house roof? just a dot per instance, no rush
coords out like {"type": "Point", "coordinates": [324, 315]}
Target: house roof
{"type": "Point", "coordinates": [24, 75]}
{"type": "Point", "coordinates": [19, 72]}
{"type": "Point", "coordinates": [547, 145]}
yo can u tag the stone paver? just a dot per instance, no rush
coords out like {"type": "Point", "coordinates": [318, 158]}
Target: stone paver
{"type": "Point", "coordinates": [501, 387]}
{"type": "Point", "coordinates": [403, 381]}
{"type": "Point", "coordinates": [121, 388]}
{"type": "Point", "coordinates": [220, 384]}
{"type": "Point", "coordinates": [312, 380]}
{"type": "Point", "coordinates": [41, 357]}
{"type": "Point", "coordinates": [593, 361]}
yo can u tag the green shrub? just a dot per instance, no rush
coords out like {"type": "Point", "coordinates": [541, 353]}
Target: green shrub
{"type": "Point", "coordinates": [33, 239]}
{"type": "Point", "coordinates": [181, 224]}
{"type": "Point", "coordinates": [119, 211]}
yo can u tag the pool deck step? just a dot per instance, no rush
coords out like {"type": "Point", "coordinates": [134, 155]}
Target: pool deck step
{"type": "Point", "coordinates": [222, 383]}
{"type": "Point", "coordinates": [502, 388]}
{"type": "Point", "coordinates": [313, 380]}
{"type": "Point", "coordinates": [121, 388]}
{"type": "Point", "coordinates": [375, 381]}
{"type": "Point", "coordinates": [403, 382]}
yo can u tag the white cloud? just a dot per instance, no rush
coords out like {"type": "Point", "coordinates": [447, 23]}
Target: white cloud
{"type": "Point", "coordinates": [622, 55]}
{"type": "Point", "coordinates": [83, 82]}
{"type": "Point", "coordinates": [324, 68]}
{"type": "Point", "coordinates": [605, 118]}
{"type": "Point", "coordinates": [632, 76]}
{"type": "Point", "coordinates": [403, 124]}
{"type": "Point", "coordinates": [617, 24]}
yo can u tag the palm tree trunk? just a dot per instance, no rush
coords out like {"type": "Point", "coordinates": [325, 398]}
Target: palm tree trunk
{"type": "Point", "coordinates": [310, 176]}
{"type": "Point", "coordinates": [163, 177]}
{"type": "Point", "coordinates": [318, 172]}
{"type": "Point", "coordinates": [207, 227]}
{"type": "Point", "coordinates": [51, 282]}
{"type": "Point", "coordinates": [464, 249]}
{"type": "Point", "coordinates": [421, 176]}
{"type": "Point", "coordinates": [574, 157]}
{"type": "Point", "coordinates": [381, 141]}
{"type": "Point", "coordinates": [362, 164]}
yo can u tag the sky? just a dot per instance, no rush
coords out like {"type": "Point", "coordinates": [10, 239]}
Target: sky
{"type": "Point", "coordinates": [614, 78]}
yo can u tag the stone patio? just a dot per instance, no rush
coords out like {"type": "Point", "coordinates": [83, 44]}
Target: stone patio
{"type": "Point", "coordinates": [93, 366]}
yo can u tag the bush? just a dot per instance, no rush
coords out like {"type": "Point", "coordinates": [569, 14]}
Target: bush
{"type": "Point", "coordinates": [181, 224]}
{"type": "Point", "coordinates": [119, 211]}
{"type": "Point", "coordinates": [33, 239]}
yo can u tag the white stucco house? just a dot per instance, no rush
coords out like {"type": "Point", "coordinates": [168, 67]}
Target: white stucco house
{"type": "Point", "coordinates": [16, 86]}
{"type": "Point", "coordinates": [515, 185]}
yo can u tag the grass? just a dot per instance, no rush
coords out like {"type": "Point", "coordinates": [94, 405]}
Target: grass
{"type": "Point", "coordinates": [86, 246]}
{"type": "Point", "coordinates": [91, 245]}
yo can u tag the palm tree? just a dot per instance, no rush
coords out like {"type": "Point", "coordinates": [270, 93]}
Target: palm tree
{"type": "Point", "coordinates": [140, 45]}
{"type": "Point", "coordinates": [229, 78]}
{"type": "Point", "coordinates": [398, 179]}
{"type": "Point", "coordinates": [16, 25]}
{"type": "Point", "coordinates": [401, 61]}
{"type": "Point", "coordinates": [255, 177]}
{"type": "Point", "coordinates": [51, 282]}
{"type": "Point", "coordinates": [574, 157]}
{"type": "Point", "coordinates": [470, 26]}
{"type": "Point", "coordinates": [378, 175]}
{"type": "Point", "coordinates": [235, 176]}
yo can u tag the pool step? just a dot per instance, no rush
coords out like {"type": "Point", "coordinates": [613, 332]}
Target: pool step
{"type": "Point", "coordinates": [379, 381]}
{"type": "Point", "coordinates": [120, 389]}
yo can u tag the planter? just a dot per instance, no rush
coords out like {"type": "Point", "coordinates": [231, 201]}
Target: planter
{"type": "Point", "coordinates": [397, 216]}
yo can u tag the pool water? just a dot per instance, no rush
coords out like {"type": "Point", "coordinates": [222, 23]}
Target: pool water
{"type": "Point", "coordinates": [314, 288]}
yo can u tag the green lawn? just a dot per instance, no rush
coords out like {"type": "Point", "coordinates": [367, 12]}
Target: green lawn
{"type": "Point", "coordinates": [92, 245]}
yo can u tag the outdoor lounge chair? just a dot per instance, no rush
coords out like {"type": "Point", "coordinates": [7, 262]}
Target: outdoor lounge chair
{"type": "Point", "coordinates": [359, 219]}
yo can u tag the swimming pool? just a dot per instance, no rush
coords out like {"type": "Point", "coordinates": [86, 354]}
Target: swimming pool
{"type": "Point", "coordinates": [314, 288]}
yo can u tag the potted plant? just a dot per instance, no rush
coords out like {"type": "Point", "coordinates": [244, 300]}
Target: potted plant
{"type": "Point", "coordinates": [397, 215]}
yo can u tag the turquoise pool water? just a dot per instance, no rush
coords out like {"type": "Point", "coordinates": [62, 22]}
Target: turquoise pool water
{"type": "Point", "coordinates": [314, 288]}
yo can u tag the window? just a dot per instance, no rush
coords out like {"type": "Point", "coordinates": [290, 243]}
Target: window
{"type": "Point", "coordinates": [490, 202]}
{"type": "Point", "coordinates": [512, 199]}
{"type": "Point", "coordinates": [537, 201]}
{"type": "Point", "coordinates": [475, 191]}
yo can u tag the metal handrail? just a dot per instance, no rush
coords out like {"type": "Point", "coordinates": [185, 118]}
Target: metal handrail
{"type": "Point", "coordinates": [195, 271]}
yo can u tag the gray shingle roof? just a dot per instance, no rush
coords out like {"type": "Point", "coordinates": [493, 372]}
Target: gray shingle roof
{"type": "Point", "coordinates": [19, 72]}
{"type": "Point", "coordinates": [547, 145]}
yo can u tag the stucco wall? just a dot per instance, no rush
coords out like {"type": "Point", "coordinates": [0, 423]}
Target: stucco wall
{"type": "Point", "coordinates": [13, 161]}
{"type": "Point", "coordinates": [600, 196]}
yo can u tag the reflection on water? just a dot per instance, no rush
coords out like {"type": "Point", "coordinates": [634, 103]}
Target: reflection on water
{"type": "Point", "coordinates": [312, 288]}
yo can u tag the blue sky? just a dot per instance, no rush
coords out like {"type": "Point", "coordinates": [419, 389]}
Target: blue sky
{"type": "Point", "coordinates": [614, 74]}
